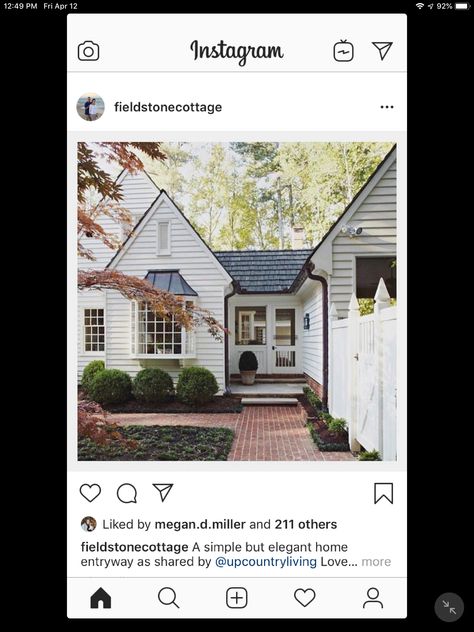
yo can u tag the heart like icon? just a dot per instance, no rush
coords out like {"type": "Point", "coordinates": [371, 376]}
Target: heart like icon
{"type": "Point", "coordinates": [305, 596]}
{"type": "Point", "coordinates": [90, 492]}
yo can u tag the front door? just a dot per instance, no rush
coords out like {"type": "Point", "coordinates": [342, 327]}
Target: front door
{"type": "Point", "coordinates": [283, 341]}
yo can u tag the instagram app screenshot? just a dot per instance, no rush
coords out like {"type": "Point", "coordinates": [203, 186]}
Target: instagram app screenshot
{"type": "Point", "coordinates": [237, 230]}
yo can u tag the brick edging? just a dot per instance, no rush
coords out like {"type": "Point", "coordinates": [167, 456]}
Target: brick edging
{"type": "Point", "coordinates": [314, 385]}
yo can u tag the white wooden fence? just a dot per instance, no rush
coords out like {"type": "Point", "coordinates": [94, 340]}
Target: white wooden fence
{"type": "Point", "coordinates": [362, 374]}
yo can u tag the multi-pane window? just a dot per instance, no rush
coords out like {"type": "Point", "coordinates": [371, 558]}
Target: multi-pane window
{"type": "Point", "coordinates": [250, 325]}
{"type": "Point", "coordinates": [94, 329]}
{"type": "Point", "coordinates": [157, 335]}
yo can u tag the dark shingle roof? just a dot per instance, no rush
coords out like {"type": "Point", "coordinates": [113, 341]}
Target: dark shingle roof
{"type": "Point", "coordinates": [264, 270]}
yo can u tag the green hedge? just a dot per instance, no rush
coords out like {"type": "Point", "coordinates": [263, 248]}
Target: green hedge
{"type": "Point", "coordinates": [152, 386]}
{"type": "Point", "coordinates": [111, 386]}
{"type": "Point", "coordinates": [196, 385]}
{"type": "Point", "coordinates": [89, 373]}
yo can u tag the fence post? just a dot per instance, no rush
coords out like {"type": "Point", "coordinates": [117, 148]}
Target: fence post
{"type": "Point", "coordinates": [333, 315]}
{"type": "Point", "coordinates": [382, 301]}
{"type": "Point", "coordinates": [352, 346]}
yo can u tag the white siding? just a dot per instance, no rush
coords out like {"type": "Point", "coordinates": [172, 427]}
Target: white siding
{"type": "Point", "coordinates": [87, 299]}
{"type": "Point", "coordinates": [377, 216]}
{"type": "Point", "coordinates": [138, 195]}
{"type": "Point", "coordinates": [196, 264]}
{"type": "Point", "coordinates": [313, 337]}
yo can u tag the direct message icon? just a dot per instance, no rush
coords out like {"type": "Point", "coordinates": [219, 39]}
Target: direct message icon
{"type": "Point", "coordinates": [127, 493]}
{"type": "Point", "coordinates": [383, 491]}
{"type": "Point", "coordinates": [163, 489]}
{"type": "Point", "coordinates": [383, 48]}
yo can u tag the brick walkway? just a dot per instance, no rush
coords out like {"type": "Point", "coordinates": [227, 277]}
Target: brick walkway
{"type": "Point", "coordinates": [262, 433]}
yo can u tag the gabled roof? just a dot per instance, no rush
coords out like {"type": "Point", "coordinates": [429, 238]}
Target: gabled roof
{"type": "Point", "coordinates": [144, 219]}
{"type": "Point", "coordinates": [363, 192]}
{"type": "Point", "coordinates": [170, 281]}
{"type": "Point", "coordinates": [350, 209]}
{"type": "Point", "coordinates": [263, 271]}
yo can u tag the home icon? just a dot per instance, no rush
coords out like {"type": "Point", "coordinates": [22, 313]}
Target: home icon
{"type": "Point", "coordinates": [101, 596]}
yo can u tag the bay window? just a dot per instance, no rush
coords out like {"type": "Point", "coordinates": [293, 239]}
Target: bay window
{"type": "Point", "coordinates": [153, 335]}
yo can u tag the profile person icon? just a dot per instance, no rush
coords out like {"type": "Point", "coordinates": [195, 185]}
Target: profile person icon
{"type": "Point", "coordinates": [373, 594]}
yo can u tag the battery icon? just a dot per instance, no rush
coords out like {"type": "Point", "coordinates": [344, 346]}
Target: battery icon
{"type": "Point", "coordinates": [462, 6]}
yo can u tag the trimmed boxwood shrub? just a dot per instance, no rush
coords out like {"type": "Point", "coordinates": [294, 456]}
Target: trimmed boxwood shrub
{"type": "Point", "coordinates": [111, 386]}
{"type": "Point", "coordinates": [90, 372]}
{"type": "Point", "coordinates": [196, 385]}
{"type": "Point", "coordinates": [152, 386]}
{"type": "Point", "coordinates": [248, 361]}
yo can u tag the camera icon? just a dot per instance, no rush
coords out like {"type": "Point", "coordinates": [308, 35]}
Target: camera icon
{"type": "Point", "coordinates": [88, 51]}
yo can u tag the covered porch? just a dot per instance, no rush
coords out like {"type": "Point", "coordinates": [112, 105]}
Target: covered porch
{"type": "Point", "coordinates": [271, 327]}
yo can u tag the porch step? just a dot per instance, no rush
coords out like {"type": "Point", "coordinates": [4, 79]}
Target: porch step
{"type": "Point", "coordinates": [269, 401]}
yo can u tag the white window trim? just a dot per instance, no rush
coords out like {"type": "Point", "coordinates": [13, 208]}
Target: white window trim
{"type": "Point", "coordinates": [160, 252]}
{"type": "Point", "coordinates": [97, 354]}
{"type": "Point", "coordinates": [159, 356]}
{"type": "Point", "coordinates": [251, 315]}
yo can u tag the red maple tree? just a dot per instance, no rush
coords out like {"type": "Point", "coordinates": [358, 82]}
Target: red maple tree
{"type": "Point", "coordinates": [91, 178]}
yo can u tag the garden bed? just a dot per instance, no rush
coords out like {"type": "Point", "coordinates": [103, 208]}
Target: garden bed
{"type": "Point", "coordinates": [326, 440]}
{"type": "Point", "coordinates": [162, 443]}
{"type": "Point", "coordinates": [310, 410]}
{"type": "Point", "coordinates": [217, 404]}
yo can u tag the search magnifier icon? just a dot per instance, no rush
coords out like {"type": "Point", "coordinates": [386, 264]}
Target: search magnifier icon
{"type": "Point", "coordinates": [167, 596]}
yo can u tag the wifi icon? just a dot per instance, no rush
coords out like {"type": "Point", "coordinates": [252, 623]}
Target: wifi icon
{"type": "Point", "coordinates": [419, 5]}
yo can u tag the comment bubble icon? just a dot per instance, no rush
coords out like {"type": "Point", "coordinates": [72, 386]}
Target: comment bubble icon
{"type": "Point", "coordinates": [127, 493]}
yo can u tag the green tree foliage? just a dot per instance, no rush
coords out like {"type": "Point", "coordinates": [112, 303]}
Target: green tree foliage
{"type": "Point", "coordinates": [251, 195]}
{"type": "Point", "coordinates": [169, 174]}
{"type": "Point", "coordinates": [211, 192]}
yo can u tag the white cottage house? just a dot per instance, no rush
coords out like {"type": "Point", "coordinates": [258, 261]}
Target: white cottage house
{"type": "Point", "coordinates": [275, 303]}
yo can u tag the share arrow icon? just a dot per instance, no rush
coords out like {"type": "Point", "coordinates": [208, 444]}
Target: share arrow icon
{"type": "Point", "coordinates": [383, 48]}
{"type": "Point", "coordinates": [164, 489]}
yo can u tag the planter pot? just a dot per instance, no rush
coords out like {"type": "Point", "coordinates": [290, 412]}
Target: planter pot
{"type": "Point", "coordinates": [247, 377]}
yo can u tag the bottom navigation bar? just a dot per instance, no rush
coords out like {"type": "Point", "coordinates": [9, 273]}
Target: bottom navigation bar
{"type": "Point", "coordinates": [161, 597]}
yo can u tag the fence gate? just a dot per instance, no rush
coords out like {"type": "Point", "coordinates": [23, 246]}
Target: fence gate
{"type": "Point", "coordinates": [363, 376]}
{"type": "Point", "coordinates": [367, 402]}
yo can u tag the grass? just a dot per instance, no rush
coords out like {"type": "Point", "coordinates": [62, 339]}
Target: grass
{"type": "Point", "coordinates": [163, 443]}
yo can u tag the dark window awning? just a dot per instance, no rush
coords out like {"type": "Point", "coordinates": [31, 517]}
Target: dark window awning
{"type": "Point", "coordinates": [171, 281]}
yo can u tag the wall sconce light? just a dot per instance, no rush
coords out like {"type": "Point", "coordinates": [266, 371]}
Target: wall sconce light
{"type": "Point", "coordinates": [306, 321]}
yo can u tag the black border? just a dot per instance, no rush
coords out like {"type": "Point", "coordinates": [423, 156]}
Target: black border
{"type": "Point", "coordinates": [440, 166]}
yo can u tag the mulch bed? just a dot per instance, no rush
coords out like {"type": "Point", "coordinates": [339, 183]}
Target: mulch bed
{"type": "Point", "coordinates": [218, 404]}
{"type": "Point", "coordinates": [326, 440]}
{"type": "Point", "coordinates": [162, 443]}
{"type": "Point", "coordinates": [311, 411]}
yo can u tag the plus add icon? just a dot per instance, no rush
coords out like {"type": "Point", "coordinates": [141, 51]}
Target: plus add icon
{"type": "Point", "coordinates": [236, 597]}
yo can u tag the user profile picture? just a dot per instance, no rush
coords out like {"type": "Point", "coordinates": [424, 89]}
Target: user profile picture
{"type": "Point", "coordinates": [90, 106]}
{"type": "Point", "coordinates": [88, 523]}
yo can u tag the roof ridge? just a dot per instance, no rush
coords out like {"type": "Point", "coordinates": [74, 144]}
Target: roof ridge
{"type": "Point", "coordinates": [262, 251]}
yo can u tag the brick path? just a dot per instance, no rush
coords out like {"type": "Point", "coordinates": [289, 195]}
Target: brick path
{"type": "Point", "coordinates": [262, 433]}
